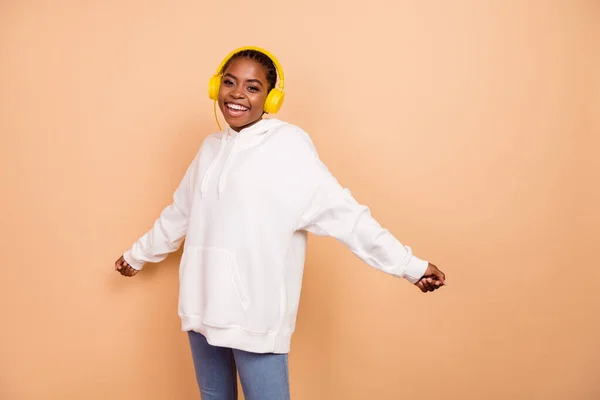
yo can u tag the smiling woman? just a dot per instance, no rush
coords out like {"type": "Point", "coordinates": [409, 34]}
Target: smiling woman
{"type": "Point", "coordinates": [262, 188]}
{"type": "Point", "coordinates": [247, 78]}
{"type": "Point", "coordinates": [243, 92]}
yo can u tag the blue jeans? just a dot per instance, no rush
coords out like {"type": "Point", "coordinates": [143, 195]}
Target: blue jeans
{"type": "Point", "coordinates": [263, 376]}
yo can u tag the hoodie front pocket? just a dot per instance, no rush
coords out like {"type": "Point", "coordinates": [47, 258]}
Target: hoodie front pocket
{"type": "Point", "coordinates": [211, 287]}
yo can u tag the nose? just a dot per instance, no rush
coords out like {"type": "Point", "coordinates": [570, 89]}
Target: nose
{"type": "Point", "coordinates": [237, 92]}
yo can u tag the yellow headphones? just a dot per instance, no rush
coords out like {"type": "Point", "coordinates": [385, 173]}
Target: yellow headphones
{"type": "Point", "coordinates": [275, 97]}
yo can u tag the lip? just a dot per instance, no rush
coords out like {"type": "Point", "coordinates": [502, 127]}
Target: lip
{"type": "Point", "coordinates": [235, 113]}
{"type": "Point", "coordinates": [237, 104]}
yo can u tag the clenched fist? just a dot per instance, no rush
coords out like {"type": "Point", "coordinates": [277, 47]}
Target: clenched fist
{"type": "Point", "coordinates": [432, 280]}
{"type": "Point", "coordinates": [124, 268]}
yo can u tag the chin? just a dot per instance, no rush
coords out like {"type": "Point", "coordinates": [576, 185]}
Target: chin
{"type": "Point", "coordinates": [238, 124]}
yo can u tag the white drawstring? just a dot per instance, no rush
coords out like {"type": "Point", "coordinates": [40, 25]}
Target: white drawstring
{"type": "Point", "coordinates": [223, 177]}
{"type": "Point", "coordinates": [212, 166]}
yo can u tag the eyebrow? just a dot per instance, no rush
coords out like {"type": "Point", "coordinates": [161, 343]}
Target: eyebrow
{"type": "Point", "coordinates": [249, 80]}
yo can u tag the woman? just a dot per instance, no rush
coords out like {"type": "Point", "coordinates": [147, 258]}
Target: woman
{"type": "Point", "coordinates": [245, 206]}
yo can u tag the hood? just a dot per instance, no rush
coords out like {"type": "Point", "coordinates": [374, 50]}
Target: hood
{"type": "Point", "coordinates": [242, 140]}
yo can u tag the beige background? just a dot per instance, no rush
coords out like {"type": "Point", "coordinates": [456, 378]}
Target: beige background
{"type": "Point", "coordinates": [469, 127]}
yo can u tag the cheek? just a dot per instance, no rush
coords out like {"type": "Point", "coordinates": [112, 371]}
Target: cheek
{"type": "Point", "coordinates": [222, 92]}
{"type": "Point", "coordinates": [258, 102]}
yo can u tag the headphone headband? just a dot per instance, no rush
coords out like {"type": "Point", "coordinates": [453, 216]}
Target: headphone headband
{"type": "Point", "coordinates": [260, 50]}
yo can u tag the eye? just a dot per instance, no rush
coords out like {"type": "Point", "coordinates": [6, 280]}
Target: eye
{"type": "Point", "coordinates": [227, 82]}
{"type": "Point", "coordinates": [253, 88]}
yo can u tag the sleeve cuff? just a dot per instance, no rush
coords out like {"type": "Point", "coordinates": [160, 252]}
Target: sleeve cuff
{"type": "Point", "coordinates": [415, 269]}
{"type": "Point", "coordinates": [135, 264]}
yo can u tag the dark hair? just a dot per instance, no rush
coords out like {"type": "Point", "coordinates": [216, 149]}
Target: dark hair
{"type": "Point", "coordinates": [262, 59]}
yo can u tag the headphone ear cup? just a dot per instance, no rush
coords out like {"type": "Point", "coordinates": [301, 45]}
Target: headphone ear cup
{"type": "Point", "coordinates": [214, 84]}
{"type": "Point", "coordinates": [274, 101]}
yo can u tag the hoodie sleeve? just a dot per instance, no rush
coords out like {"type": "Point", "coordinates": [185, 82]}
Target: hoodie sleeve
{"type": "Point", "coordinates": [169, 229]}
{"type": "Point", "coordinates": [332, 211]}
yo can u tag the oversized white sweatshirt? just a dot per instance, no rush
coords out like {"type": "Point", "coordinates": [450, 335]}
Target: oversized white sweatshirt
{"type": "Point", "coordinates": [244, 207]}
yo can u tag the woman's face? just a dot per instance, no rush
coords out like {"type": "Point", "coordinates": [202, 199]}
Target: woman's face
{"type": "Point", "coordinates": [242, 94]}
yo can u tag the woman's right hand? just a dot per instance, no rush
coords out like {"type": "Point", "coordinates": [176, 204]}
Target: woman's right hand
{"type": "Point", "coordinates": [124, 268]}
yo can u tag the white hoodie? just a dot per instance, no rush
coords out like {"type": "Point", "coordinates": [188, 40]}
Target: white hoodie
{"type": "Point", "coordinates": [245, 206]}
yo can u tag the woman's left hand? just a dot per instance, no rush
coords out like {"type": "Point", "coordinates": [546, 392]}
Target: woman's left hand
{"type": "Point", "coordinates": [432, 279]}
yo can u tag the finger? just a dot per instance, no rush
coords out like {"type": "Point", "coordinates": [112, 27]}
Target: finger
{"type": "Point", "coordinates": [119, 263]}
{"type": "Point", "coordinates": [431, 283]}
{"type": "Point", "coordinates": [439, 275]}
{"type": "Point", "coordinates": [420, 286]}
{"type": "Point", "coordinates": [426, 285]}
{"type": "Point", "coordinates": [437, 283]}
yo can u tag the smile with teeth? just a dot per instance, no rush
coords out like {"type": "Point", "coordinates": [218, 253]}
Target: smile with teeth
{"type": "Point", "coordinates": [236, 107]}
